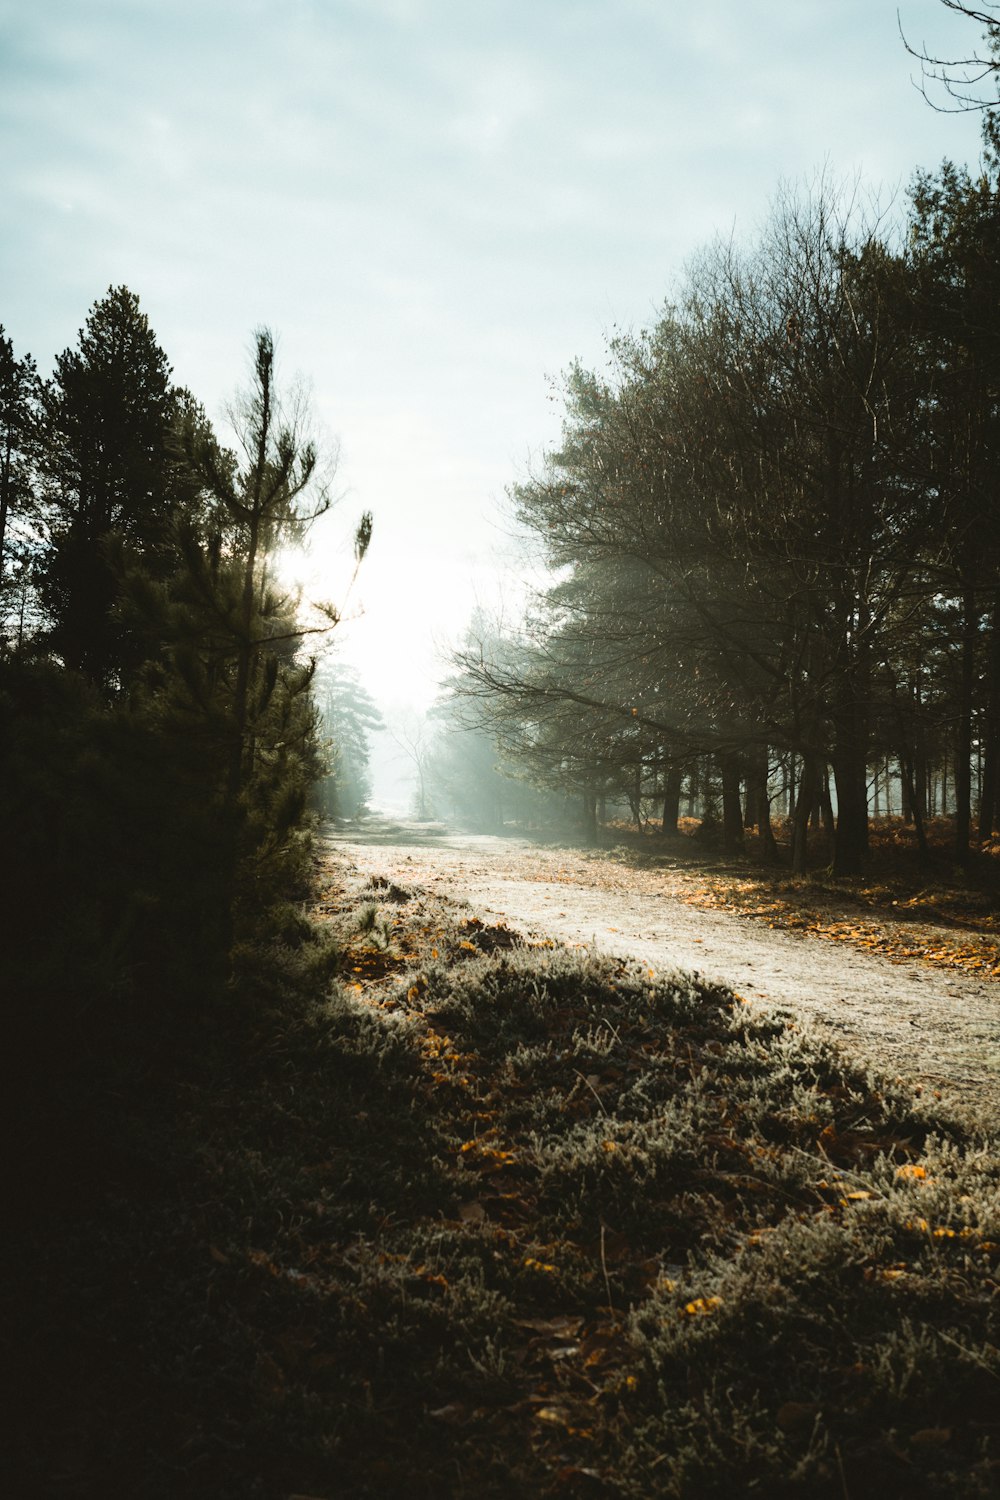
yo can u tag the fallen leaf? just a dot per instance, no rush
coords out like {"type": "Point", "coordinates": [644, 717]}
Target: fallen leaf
{"type": "Point", "coordinates": [931, 1437]}
{"type": "Point", "coordinates": [794, 1416]}
{"type": "Point", "coordinates": [702, 1305]}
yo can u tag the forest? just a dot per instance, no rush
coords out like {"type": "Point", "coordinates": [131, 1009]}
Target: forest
{"type": "Point", "coordinates": [322, 1183]}
{"type": "Point", "coordinates": [770, 530]}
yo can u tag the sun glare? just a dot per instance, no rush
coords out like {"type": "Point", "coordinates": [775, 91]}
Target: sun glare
{"type": "Point", "coordinates": [289, 567]}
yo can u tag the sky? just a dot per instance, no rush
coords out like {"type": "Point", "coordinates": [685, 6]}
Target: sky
{"type": "Point", "coordinates": [437, 206]}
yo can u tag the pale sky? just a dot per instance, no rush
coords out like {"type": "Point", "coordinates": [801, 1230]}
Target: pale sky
{"type": "Point", "coordinates": [436, 205]}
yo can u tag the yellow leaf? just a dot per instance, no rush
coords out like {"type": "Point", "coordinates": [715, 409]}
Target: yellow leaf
{"type": "Point", "coordinates": [532, 1264]}
{"type": "Point", "coordinates": [703, 1305]}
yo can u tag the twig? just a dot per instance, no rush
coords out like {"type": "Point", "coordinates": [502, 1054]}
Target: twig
{"type": "Point", "coordinates": [969, 1353]}
{"type": "Point", "coordinates": [841, 1171]}
{"type": "Point", "coordinates": [590, 1086]}
{"type": "Point", "coordinates": [843, 1476]}
{"type": "Point", "coordinates": [604, 1268]}
{"type": "Point", "coordinates": [613, 1031]}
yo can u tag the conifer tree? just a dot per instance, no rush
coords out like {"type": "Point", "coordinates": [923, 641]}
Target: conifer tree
{"type": "Point", "coordinates": [107, 416]}
{"type": "Point", "coordinates": [19, 387]}
{"type": "Point", "coordinates": [233, 678]}
{"type": "Point", "coordinates": [349, 717]}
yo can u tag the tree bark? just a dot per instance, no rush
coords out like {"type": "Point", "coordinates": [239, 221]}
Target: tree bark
{"type": "Point", "coordinates": [989, 797]}
{"type": "Point", "coordinates": [808, 787]}
{"type": "Point", "coordinates": [590, 817]}
{"type": "Point", "coordinates": [912, 801]}
{"type": "Point", "coordinates": [732, 809]}
{"type": "Point", "coordinates": [672, 800]}
{"type": "Point", "coordinates": [5, 497]}
{"type": "Point", "coordinates": [760, 803]}
{"type": "Point", "coordinates": [850, 772]}
{"type": "Point", "coordinates": [963, 735]}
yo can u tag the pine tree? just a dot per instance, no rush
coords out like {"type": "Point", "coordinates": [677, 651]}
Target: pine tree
{"type": "Point", "coordinates": [232, 678]}
{"type": "Point", "coordinates": [19, 387]}
{"type": "Point", "coordinates": [107, 412]}
{"type": "Point", "coordinates": [349, 717]}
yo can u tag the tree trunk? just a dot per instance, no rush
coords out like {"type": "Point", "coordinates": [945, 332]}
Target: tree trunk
{"type": "Point", "coordinates": [692, 788]}
{"type": "Point", "coordinates": [241, 694]}
{"type": "Point", "coordinates": [732, 810]}
{"type": "Point", "coordinates": [989, 797]}
{"type": "Point", "coordinates": [5, 497]}
{"type": "Point", "coordinates": [808, 786]}
{"type": "Point", "coordinates": [590, 817]}
{"type": "Point", "coordinates": [912, 801]}
{"type": "Point", "coordinates": [672, 800]}
{"type": "Point", "coordinates": [907, 794]}
{"type": "Point", "coordinates": [760, 804]}
{"type": "Point", "coordinates": [963, 736]}
{"type": "Point", "coordinates": [850, 847]}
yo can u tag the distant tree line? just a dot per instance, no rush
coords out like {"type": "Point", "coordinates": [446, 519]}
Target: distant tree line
{"type": "Point", "coordinates": [348, 719]}
{"type": "Point", "coordinates": [159, 734]}
{"type": "Point", "coordinates": [772, 538]}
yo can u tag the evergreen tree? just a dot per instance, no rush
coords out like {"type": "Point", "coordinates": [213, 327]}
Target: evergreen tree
{"type": "Point", "coordinates": [108, 412]}
{"type": "Point", "coordinates": [232, 678]}
{"type": "Point", "coordinates": [349, 717]}
{"type": "Point", "coordinates": [19, 388]}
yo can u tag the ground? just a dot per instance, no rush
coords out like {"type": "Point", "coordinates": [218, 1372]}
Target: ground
{"type": "Point", "coordinates": [425, 1207]}
{"type": "Point", "coordinates": [915, 994]}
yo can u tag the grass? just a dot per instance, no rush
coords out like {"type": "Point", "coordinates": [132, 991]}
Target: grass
{"type": "Point", "coordinates": [438, 1213]}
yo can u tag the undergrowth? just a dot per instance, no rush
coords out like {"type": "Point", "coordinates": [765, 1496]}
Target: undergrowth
{"type": "Point", "coordinates": [473, 1218]}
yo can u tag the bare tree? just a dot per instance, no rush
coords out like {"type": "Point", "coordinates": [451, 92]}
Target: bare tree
{"type": "Point", "coordinates": [410, 733]}
{"type": "Point", "coordinates": [962, 79]}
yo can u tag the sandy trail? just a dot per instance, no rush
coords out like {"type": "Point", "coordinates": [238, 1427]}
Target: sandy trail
{"type": "Point", "coordinates": [931, 1025]}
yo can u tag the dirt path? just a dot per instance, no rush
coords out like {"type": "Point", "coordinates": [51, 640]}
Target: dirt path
{"type": "Point", "coordinates": [935, 1026]}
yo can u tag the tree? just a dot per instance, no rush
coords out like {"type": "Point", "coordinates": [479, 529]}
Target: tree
{"type": "Point", "coordinates": [411, 734]}
{"type": "Point", "coordinates": [963, 78]}
{"type": "Point", "coordinates": [264, 499]}
{"type": "Point", "coordinates": [349, 717]}
{"type": "Point", "coordinates": [19, 388]}
{"type": "Point", "coordinates": [733, 521]}
{"type": "Point", "coordinates": [107, 416]}
{"type": "Point", "coordinates": [955, 235]}
{"type": "Point", "coordinates": [231, 678]}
